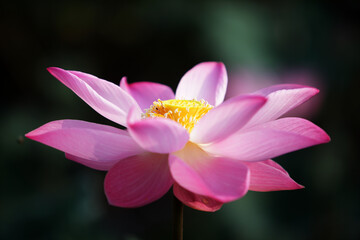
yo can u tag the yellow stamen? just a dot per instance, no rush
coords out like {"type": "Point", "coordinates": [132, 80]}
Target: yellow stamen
{"type": "Point", "coordinates": [185, 112]}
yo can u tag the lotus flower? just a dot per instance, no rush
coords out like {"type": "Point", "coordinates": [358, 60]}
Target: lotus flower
{"type": "Point", "coordinates": [211, 152]}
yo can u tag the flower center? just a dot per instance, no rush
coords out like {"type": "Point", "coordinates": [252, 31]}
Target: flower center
{"type": "Point", "coordinates": [185, 112]}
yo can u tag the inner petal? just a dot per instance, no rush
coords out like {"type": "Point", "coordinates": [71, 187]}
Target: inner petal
{"type": "Point", "coordinates": [185, 112]}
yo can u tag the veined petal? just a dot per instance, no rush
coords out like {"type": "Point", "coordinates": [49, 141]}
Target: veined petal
{"type": "Point", "coordinates": [104, 97]}
{"type": "Point", "coordinates": [226, 118]}
{"type": "Point", "coordinates": [269, 140]}
{"type": "Point", "coordinates": [94, 145]}
{"type": "Point", "coordinates": [219, 178]}
{"type": "Point", "coordinates": [269, 176]}
{"type": "Point", "coordinates": [98, 165]}
{"type": "Point", "coordinates": [145, 93]}
{"type": "Point", "coordinates": [196, 201]}
{"type": "Point", "coordinates": [207, 80]}
{"type": "Point", "coordinates": [138, 180]}
{"type": "Point", "coordinates": [158, 135]}
{"type": "Point", "coordinates": [281, 99]}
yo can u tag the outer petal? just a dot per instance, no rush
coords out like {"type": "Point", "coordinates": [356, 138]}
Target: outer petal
{"type": "Point", "coordinates": [99, 165]}
{"type": "Point", "coordinates": [158, 135]}
{"type": "Point", "coordinates": [145, 93]}
{"type": "Point", "coordinates": [269, 140]}
{"type": "Point", "coordinates": [138, 180]}
{"type": "Point", "coordinates": [207, 80]}
{"type": "Point", "coordinates": [269, 176]}
{"type": "Point", "coordinates": [196, 201]}
{"type": "Point", "coordinates": [281, 99]}
{"type": "Point", "coordinates": [222, 179]}
{"type": "Point", "coordinates": [104, 97]}
{"type": "Point", "coordinates": [226, 118]}
{"type": "Point", "coordinates": [94, 145]}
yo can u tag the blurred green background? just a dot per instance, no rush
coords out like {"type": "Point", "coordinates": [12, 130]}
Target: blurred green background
{"type": "Point", "coordinates": [45, 196]}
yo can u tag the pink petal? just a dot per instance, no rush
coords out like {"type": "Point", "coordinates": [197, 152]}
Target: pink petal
{"type": "Point", "coordinates": [269, 140]}
{"type": "Point", "coordinates": [138, 180]}
{"type": "Point", "coordinates": [226, 118]}
{"type": "Point", "coordinates": [99, 165]}
{"type": "Point", "coordinates": [207, 80]}
{"type": "Point", "coordinates": [219, 178]}
{"type": "Point", "coordinates": [145, 93]}
{"type": "Point", "coordinates": [94, 145]}
{"type": "Point", "coordinates": [158, 135]}
{"type": "Point", "coordinates": [281, 99]}
{"type": "Point", "coordinates": [104, 97]}
{"type": "Point", "coordinates": [269, 176]}
{"type": "Point", "coordinates": [196, 201]}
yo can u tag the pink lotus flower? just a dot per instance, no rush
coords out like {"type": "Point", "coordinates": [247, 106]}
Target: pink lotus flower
{"type": "Point", "coordinates": [210, 151]}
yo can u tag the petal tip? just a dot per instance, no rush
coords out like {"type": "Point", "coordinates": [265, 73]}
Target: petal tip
{"type": "Point", "coordinates": [217, 66]}
{"type": "Point", "coordinates": [50, 68]}
{"type": "Point", "coordinates": [57, 72]}
{"type": "Point", "coordinates": [300, 186]}
{"type": "Point", "coordinates": [29, 135]}
{"type": "Point", "coordinates": [296, 186]}
{"type": "Point", "coordinates": [316, 90]}
{"type": "Point", "coordinates": [53, 69]}
{"type": "Point", "coordinates": [220, 65]}
{"type": "Point", "coordinates": [123, 82]}
{"type": "Point", "coordinates": [313, 90]}
{"type": "Point", "coordinates": [324, 137]}
{"type": "Point", "coordinates": [34, 133]}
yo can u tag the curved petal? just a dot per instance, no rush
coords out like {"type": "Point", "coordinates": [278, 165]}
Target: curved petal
{"type": "Point", "coordinates": [94, 145]}
{"type": "Point", "coordinates": [145, 93]}
{"type": "Point", "coordinates": [158, 135]}
{"type": "Point", "coordinates": [104, 97]}
{"type": "Point", "coordinates": [207, 80]}
{"type": "Point", "coordinates": [226, 118]}
{"type": "Point", "coordinates": [221, 179]}
{"type": "Point", "coordinates": [269, 176]}
{"type": "Point", "coordinates": [196, 201]}
{"type": "Point", "coordinates": [281, 99]}
{"type": "Point", "coordinates": [138, 180]}
{"type": "Point", "coordinates": [98, 165]}
{"type": "Point", "coordinates": [269, 140]}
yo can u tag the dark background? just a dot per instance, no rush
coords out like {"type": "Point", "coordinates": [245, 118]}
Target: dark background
{"type": "Point", "coordinates": [45, 196]}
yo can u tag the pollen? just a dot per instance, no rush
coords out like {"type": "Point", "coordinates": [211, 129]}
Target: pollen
{"type": "Point", "coordinates": [185, 112]}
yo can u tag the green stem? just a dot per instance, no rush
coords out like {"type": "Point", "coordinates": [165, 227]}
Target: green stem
{"type": "Point", "coordinates": [177, 219]}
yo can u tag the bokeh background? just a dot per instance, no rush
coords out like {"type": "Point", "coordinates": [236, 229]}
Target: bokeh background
{"type": "Point", "coordinates": [45, 196]}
